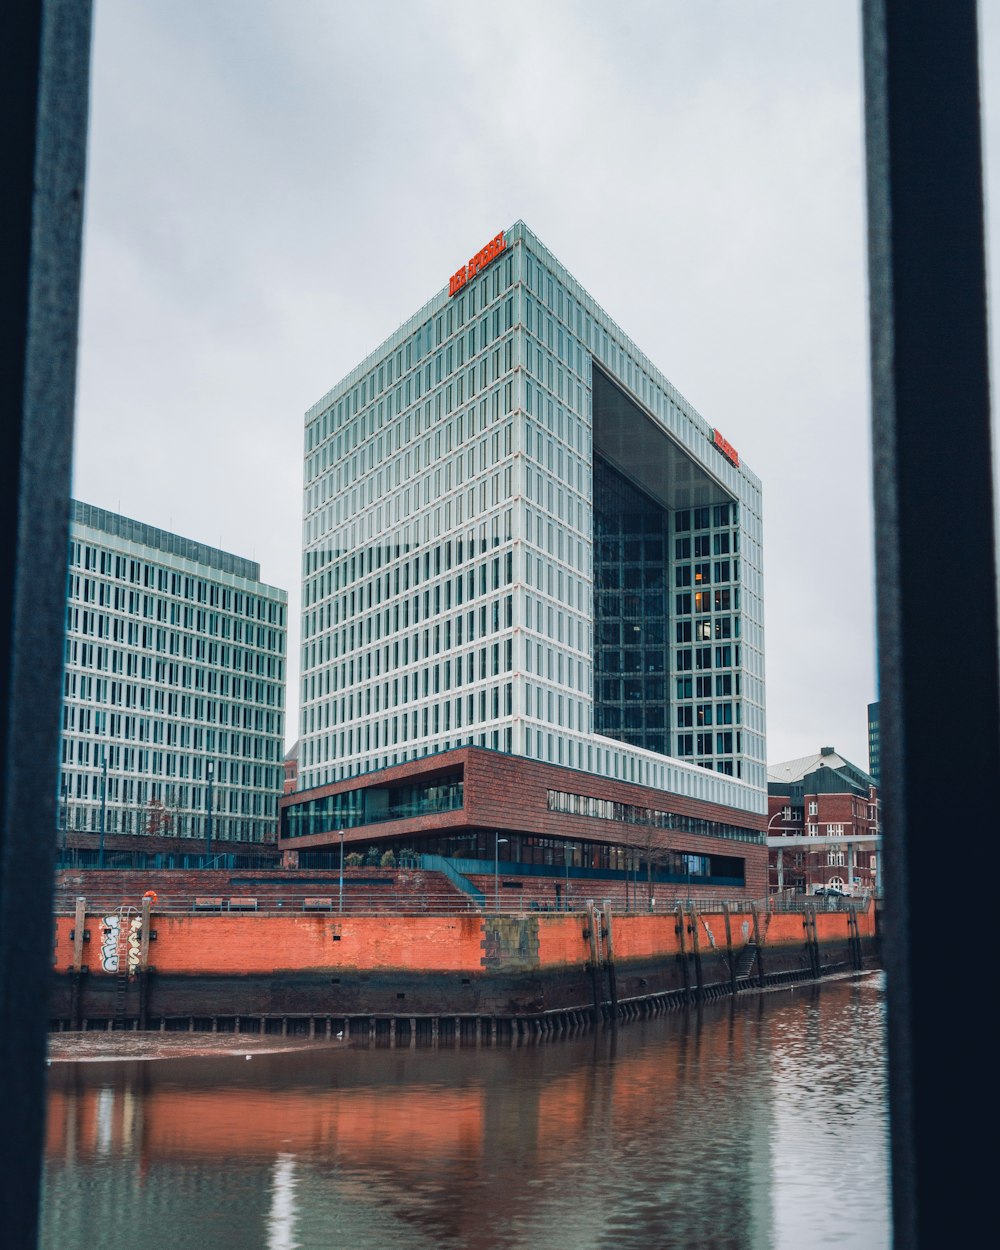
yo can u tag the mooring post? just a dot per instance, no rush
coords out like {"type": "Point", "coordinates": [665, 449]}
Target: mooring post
{"type": "Point", "coordinates": [593, 933]}
{"type": "Point", "coordinates": [76, 989]}
{"type": "Point", "coordinates": [143, 970]}
{"type": "Point", "coordinates": [811, 940]}
{"type": "Point", "coordinates": [729, 949]}
{"type": "Point", "coordinates": [609, 959]}
{"type": "Point", "coordinates": [855, 936]}
{"type": "Point", "coordinates": [699, 992]}
{"type": "Point", "coordinates": [679, 930]}
{"type": "Point", "coordinates": [758, 941]}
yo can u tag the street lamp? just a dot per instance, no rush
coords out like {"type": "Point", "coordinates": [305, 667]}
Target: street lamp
{"type": "Point", "coordinates": [341, 898]}
{"type": "Point", "coordinates": [104, 805]}
{"type": "Point", "coordinates": [780, 865]}
{"type": "Point", "coordinates": [208, 819]}
{"type": "Point", "coordinates": [496, 869]}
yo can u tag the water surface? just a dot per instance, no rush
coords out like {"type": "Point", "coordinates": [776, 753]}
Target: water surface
{"type": "Point", "coordinates": [758, 1124]}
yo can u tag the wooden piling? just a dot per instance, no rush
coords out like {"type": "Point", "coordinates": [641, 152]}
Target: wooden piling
{"type": "Point", "coordinates": [699, 992]}
{"type": "Point", "coordinates": [609, 960]}
{"type": "Point", "coordinates": [755, 912]}
{"type": "Point", "coordinates": [593, 932]}
{"type": "Point", "coordinates": [76, 991]}
{"type": "Point", "coordinates": [729, 949]}
{"type": "Point", "coordinates": [679, 930]}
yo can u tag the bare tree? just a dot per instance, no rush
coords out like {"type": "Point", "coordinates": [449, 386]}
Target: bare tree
{"type": "Point", "coordinates": [650, 851]}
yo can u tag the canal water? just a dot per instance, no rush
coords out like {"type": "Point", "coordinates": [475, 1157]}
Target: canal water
{"type": "Point", "coordinates": [760, 1123]}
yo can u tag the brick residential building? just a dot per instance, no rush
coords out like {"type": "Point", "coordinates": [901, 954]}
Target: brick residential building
{"type": "Point", "coordinates": [290, 778]}
{"type": "Point", "coordinates": [823, 826]}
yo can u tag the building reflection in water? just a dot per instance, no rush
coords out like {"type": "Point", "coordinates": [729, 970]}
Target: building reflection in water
{"type": "Point", "coordinates": [281, 1220]}
{"type": "Point", "coordinates": [728, 1126]}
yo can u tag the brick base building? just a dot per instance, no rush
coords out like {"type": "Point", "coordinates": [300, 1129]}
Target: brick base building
{"type": "Point", "coordinates": [489, 816]}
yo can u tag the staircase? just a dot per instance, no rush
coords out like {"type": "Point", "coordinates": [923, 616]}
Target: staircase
{"type": "Point", "coordinates": [745, 961]}
{"type": "Point", "coordinates": [438, 863]}
{"type": "Point", "coordinates": [125, 915]}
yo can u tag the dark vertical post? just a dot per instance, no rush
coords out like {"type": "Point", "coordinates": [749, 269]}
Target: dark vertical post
{"type": "Point", "coordinates": [340, 884]}
{"type": "Point", "coordinates": [208, 819]}
{"type": "Point", "coordinates": [758, 939]}
{"type": "Point", "coordinates": [65, 821]}
{"type": "Point", "coordinates": [699, 985]}
{"type": "Point", "coordinates": [729, 949]}
{"type": "Point", "coordinates": [104, 807]}
{"type": "Point", "coordinates": [682, 952]}
{"type": "Point", "coordinates": [44, 66]}
{"type": "Point", "coordinates": [609, 959]}
{"type": "Point", "coordinates": [934, 530]}
{"type": "Point", "coordinates": [76, 976]}
{"type": "Point", "coordinates": [593, 933]}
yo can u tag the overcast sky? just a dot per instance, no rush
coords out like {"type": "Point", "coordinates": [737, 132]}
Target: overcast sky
{"type": "Point", "coordinates": [275, 185]}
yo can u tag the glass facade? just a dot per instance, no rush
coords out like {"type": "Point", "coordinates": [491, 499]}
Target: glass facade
{"type": "Point", "coordinates": [350, 809]}
{"type": "Point", "coordinates": [173, 665]}
{"type": "Point", "coordinates": [631, 613]}
{"type": "Point", "coordinates": [458, 485]}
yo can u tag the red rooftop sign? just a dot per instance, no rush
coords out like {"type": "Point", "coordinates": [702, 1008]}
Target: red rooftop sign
{"type": "Point", "coordinates": [481, 259]}
{"type": "Point", "coordinates": [726, 447]}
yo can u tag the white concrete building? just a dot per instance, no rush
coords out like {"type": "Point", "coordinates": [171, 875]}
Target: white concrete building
{"type": "Point", "coordinates": [174, 685]}
{"type": "Point", "coordinates": [518, 534]}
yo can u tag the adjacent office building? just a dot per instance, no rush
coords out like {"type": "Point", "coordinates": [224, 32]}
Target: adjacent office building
{"type": "Point", "coordinates": [173, 689]}
{"type": "Point", "coordinates": [519, 538]}
{"type": "Point", "coordinates": [874, 743]}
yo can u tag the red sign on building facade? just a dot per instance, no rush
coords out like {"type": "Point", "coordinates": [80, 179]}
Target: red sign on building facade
{"type": "Point", "coordinates": [726, 447]}
{"type": "Point", "coordinates": [481, 259]}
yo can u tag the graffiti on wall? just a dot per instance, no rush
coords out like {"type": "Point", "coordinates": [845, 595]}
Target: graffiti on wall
{"type": "Point", "coordinates": [120, 941]}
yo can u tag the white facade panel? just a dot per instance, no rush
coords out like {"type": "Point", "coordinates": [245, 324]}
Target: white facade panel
{"type": "Point", "coordinates": [174, 664]}
{"type": "Point", "coordinates": [449, 548]}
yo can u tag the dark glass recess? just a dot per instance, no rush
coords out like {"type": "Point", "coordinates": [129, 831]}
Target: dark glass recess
{"type": "Point", "coordinates": [631, 599]}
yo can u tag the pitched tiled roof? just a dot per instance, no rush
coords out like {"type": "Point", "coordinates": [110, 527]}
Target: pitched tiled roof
{"type": "Point", "coordinates": [796, 770]}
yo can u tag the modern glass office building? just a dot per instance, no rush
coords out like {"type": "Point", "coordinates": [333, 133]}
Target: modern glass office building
{"type": "Point", "coordinates": [173, 687]}
{"type": "Point", "coordinates": [518, 535]}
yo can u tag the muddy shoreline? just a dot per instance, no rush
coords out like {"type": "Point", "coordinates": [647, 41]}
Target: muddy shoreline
{"type": "Point", "coordinates": [102, 1047]}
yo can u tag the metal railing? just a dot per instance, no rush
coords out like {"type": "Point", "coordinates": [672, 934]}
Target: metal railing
{"type": "Point", "coordinates": [442, 901]}
{"type": "Point", "coordinates": [438, 863]}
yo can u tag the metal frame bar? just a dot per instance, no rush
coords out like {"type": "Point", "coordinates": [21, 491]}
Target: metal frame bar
{"type": "Point", "coordinates": [44, 88]}
{"type": "Point", "coordinates": [936, 574]}
{"type": "Point", "coordinates": [934, 532]}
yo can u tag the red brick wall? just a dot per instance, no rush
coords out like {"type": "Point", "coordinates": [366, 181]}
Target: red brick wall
{"type": "Point", "coordinates": [241, 944]}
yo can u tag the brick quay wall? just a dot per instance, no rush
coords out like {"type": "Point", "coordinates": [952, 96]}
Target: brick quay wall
{"type": "Point", "coordinates": [138, 968]}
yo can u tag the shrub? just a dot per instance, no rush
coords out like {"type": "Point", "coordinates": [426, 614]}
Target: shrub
{"type": "Point", "coordinates": [388, 860]}
{"type": "Point", "coordinates": [354, 860]}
